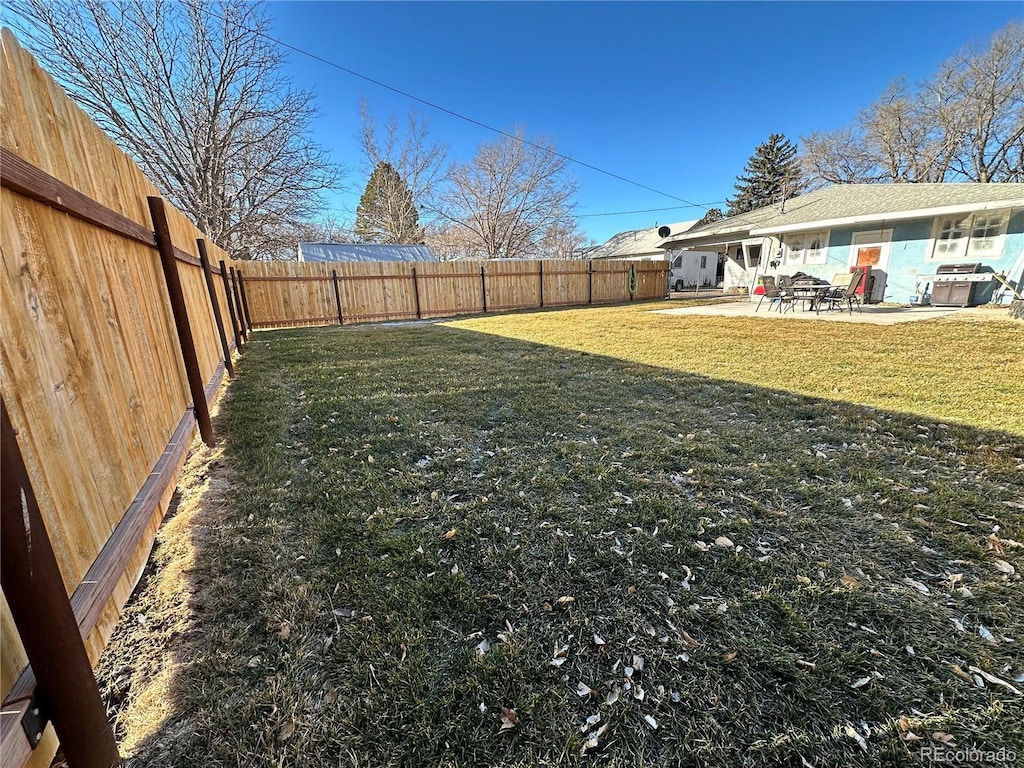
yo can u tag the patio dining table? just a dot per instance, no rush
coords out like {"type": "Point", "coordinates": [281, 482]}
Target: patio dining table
{"type": "Point", "coordinates": [811, 292]}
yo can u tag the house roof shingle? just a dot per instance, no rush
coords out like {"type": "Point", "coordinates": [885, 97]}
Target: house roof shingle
{"type": "Point", "coordinates": [852, 204]}
{"type": "Point", "coordinates": [635, 242]}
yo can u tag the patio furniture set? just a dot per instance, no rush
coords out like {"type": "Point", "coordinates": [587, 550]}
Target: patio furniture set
{"type": "Point", "coordinates": [812, 294]}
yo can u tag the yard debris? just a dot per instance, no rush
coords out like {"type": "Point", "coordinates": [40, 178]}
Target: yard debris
{"type": "Point", "coordinates": [613, 695]}
{"type": "Point", "coordinates": [996, 680]}
{"type": "Point", "coordinates": [724, 542]}
{"type": "Point", "coordinates": [284, 630]}
{"type": "Point", "coordinates": [849, 581]}
{"type": "Point", "coordinates": [852, 733]}
{"type": "Point", "coordinates": [286, 732]}
{"type": "Point", "coordinates": [1004, 567]}
{"type": "Point", "coordinates": [598, 640]}
{"type": "Point", "coordinates": [254, 662]}
{"type": "Point", "coordinates": [651, 721]}
{"type": "Point", "coordinates": [985, 634]}
{"type": "Point", "coordinates": [565, 600]}
{"type": "Point", "coordinates": [860, 682]}
{"type": "Point", "coordinates": [483, 647]}
{"type": "Point", "coordinates": [509, 719]}
{"type": "Point", "coordinates": [922, 588]}
{"type": "Point", "coordinates": [590, 722]}
{"type": "Point", "coordinates": [450, 534]}
{"type": "Point", "coordinates": [582, 689]}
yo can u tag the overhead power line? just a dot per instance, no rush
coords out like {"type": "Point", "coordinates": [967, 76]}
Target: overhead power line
{"type": "Point", "coordinates": [650, 210]}
{"type": "Point", "coordinates": [463, 117]}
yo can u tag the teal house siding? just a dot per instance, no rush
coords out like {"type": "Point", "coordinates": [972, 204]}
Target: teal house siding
{"type": "Point", "coordinates": [910, 262]}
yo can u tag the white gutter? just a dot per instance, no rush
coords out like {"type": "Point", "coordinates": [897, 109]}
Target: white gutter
{"type": "Point", "coordinates": [871, 218]}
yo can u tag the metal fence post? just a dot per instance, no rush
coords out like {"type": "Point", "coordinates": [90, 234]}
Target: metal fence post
{"type": "Point", "coordinates": [416, 293]}
{"type": "Point", "coordinates": [231, 303]}
{"type": "Point", "coordinates": [483, 286]}
{"type": "Point", "coordinates": [204, 259]}
{"type": "Point", "coordinates": [337, 296]}
{"type": "Point", "coordinates": [46, 623]}
{"type": "Point", "coordinates": [178, 308]}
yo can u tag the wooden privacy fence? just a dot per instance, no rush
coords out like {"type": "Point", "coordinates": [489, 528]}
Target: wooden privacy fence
{"type": "Point", "coordinates": [113, 344]}
{"type": "Point", "coordinates": [308, 293]}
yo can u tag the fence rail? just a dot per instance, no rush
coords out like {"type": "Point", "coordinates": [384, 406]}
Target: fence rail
{"type": "Point", "coordinates": [305, 293]}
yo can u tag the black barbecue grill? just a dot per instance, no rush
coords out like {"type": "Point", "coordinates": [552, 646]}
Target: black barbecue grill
{"type": "Point", "coordinates": [956, 285]}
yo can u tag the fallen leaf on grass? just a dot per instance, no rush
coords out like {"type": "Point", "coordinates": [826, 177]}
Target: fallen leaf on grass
{"type": "Point", "coordinates": [724, 542]}
{"type": "Point", "coordinates": [852, 733]}
{"type": "Point", "coordinates": [860, 683]}
{"type": "Point", "coordinates": [1004, 567]}
{"type": "Point", "coordinates": [284, 631]}
{"type": "Point", "coordinates": [985, 634]}
{"type": "Point", "coordinates": [992, 544]}
{"type": "Point", "coordinates": [598, 640]}
{"type": "Point", "coordinates": [582, 689]}
{"type": "Point", "coordinates": [509, 719]}
{"type": "Point", "coordinates": [450, 534]}
{"type": "Point", "coordinates": [591, 721]}
{"type": "Point", "coordinates": [286, 732]}
{"type": "Point", "coordinates": [959, 672]}
{"type": "Point", "coordinates": [565, 600]}
{"type": "Point", "coordinates": [849, 581]}
{"type": "Point", "coordinates": [651, 721]}
{"type": "Point", "coordinates": [613, 696]}
{"type": "Point", "coordinates": [996, 680]}
{"type": "Point", "coordinates": [254, 662]}
{"type": "Point", "coordinates": [483, 647]}
{"type": "Point", "coordinates": [922, 588]}
{"type": "Point", "coordinates": [689, 640]}
{"type": "Point", "coordinates": [944, 738]}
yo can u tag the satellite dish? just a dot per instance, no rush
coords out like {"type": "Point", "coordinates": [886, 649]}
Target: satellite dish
{"type": "Point", "coordinates": [664, 231]}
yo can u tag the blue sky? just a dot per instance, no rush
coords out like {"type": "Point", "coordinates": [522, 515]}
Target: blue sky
{"type": "Point", "coordinates": [675, 96]}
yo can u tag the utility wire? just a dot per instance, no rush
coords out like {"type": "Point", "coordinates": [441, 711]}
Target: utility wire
{"type": "Point", "coordinates": [650, 210]}
{"type": "Point", "coordinates": [460, 116]}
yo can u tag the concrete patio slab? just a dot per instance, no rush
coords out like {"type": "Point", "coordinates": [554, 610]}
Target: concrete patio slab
{"type": "Point", "coordinates": [873, 314]}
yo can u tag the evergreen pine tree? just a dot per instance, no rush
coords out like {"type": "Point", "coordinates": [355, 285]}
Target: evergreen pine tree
{"type": "Point", "coordinates": [387, 211]}
{"type": "Point", "coordinates": [770, 175]}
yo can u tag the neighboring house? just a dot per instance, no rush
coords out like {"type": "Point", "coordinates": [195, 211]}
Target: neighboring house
{"type": "Point", "coordinates": [688, 269]}
{"type": "Point", "coordinates": [364, 252]}
{"type": "Point", "coordinates": [903, 232]}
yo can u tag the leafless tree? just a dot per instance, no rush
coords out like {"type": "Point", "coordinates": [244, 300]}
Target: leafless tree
{"type": "Point", "coordinates": [419, 160]}
{"type": "Point", "coordinates": [565, 241]}
{"type": "Point", "coordinates": [512, 193]}
{"type": "Point", "coordinates": [193, 91]}
{"type": "Point", "coordinates": [964, 124]}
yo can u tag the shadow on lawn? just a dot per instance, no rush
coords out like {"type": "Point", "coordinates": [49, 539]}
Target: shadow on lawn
{"type": "Point", "coordinates": [387, 550]}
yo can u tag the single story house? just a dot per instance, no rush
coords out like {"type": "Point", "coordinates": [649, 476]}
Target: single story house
{"type": "Point", "coordinates": [364, 252]}
{"type": "Point", "coordinates": [903, 232]}
{"type": "Point", "coordinates": [687, 268]}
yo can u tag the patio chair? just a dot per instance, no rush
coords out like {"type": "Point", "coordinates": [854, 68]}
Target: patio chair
{"type": "Point", "coordinates": [845, 292]}
{"type": "Point", "coordinates": [784, 297]}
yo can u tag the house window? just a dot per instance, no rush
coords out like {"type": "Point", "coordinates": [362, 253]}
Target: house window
{"type": "Point", "coordinates": [951, 237]}
{"type": "Point", "coordinates": [806, 247]}
{"type": "Point", "coordinates": [980, 236]}
{"type": "Point", "coordinates": [987, 234]}
{"type": "Point", "coordinates": [703, 261]}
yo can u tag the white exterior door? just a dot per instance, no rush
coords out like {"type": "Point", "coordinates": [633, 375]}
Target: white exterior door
{"type": "Point", "coordinates": [871, 249]}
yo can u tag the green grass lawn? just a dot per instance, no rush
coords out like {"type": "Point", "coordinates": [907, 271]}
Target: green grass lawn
{"type": "Point", "coordinates": [592, 537]}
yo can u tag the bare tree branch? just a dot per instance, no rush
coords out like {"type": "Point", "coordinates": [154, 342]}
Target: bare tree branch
{"type": "Point", "coordinates": [193, 91]}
